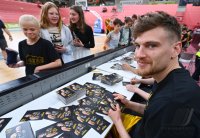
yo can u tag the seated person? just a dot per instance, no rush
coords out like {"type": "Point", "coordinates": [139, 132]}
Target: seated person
{"type": "Point", "coordinates": [174, 89]}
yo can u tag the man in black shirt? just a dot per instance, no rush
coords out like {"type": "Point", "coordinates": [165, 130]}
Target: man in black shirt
{"type": "Point", "coordinates": [173, 109]}
{"type": "Point", "coordinates": [3, 43]}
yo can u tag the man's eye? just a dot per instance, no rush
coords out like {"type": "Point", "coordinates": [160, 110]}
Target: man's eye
{"type": "Point", "coordinates": [151, 46]}
{"type": "Point", "coordinates": [137, 46]}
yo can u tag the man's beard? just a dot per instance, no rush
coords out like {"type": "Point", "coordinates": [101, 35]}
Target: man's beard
{"type": "Point", "coordinates": [150, 71]}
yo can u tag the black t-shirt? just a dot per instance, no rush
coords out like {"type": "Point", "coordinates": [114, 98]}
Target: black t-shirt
{"type": "Point", "coordinates": [40, 53]}
{"type": "Point", "coordinates": [178, 89]}
{"type": "Point", "coordinates": [87, 38]}
{"type": "Point", "coordinates": [2, 26]}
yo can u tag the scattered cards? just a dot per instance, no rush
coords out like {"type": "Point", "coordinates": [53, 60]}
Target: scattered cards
{"type": "Point", "coordinates": [4, 122]}
{"type": "Point", "coordinates": [33, 115]}
{"type": "Point", "coordinates": [48, 132]}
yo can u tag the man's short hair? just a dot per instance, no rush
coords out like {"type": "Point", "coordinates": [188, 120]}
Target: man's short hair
{"type": "Point", "coordinates": [117, 21]}
{"type": "Point", "coordinates": [128, 19]}
{"type": "Point", "coordinates": [152, 20]}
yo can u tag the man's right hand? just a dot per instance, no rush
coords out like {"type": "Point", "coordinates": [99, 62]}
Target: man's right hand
{"type": "Point", "coordinates": [115, 115]}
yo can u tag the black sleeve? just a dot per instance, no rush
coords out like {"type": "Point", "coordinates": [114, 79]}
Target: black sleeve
{"type": "Point", "coordinates": [90, 35]}
{"type": "Point", "coordinates": [2, 24]}
{"type": "Point", "coordinates": [21, 53]}
{"type": "Point", "coordinates": [52, 53]}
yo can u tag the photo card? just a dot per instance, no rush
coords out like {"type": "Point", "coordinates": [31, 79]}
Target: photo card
{"type": "Point", "coordinates": [23, 130]}
{"type": "Point", "coordinates": [48, 132]}
{"type": "Point", "coordinates": [32, 115]}
{"type": "Point", "coordinates": [4, 122]}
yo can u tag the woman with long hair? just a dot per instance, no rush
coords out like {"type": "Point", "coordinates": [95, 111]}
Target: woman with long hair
{"type": "Point", "coordinates": [83, 38]}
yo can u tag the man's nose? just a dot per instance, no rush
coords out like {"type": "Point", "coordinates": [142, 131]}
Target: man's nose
{"type": "Point", "coordinates": [140, 52]}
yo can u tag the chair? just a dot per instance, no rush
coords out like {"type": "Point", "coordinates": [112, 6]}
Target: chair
{"type": "Point", "coordinates": [187, 59]}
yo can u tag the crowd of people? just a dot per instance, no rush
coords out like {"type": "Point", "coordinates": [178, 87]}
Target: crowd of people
{"type": "Point", "coordinates": [63, 43]}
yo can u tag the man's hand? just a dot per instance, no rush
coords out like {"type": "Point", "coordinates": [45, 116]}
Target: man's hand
{"type": "Point", "coordinates": [121, 98]}
{"type": "Point", "coordinates": [115, 115]}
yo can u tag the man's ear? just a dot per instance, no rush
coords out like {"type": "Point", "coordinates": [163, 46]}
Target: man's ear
{"type": "Point", "coordinates": [177, 48]}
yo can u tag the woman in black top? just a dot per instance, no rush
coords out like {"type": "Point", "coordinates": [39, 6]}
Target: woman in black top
{"type": "Point", "coordinates": [81, 32]}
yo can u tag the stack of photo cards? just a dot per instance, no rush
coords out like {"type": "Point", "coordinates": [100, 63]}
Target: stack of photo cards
{"type": "Point", "coordinates": [66, 95]}
{"type": "Point", "coordinates": [4, 122]}
{"type": "Point", "coordinates": [23, 130]}
{"type": "Point", "coordinates": [71, 93]}
{"type": "Point", "coordinates": [80, 90]}
{"type": "Point", "coordinates": [111, 79]}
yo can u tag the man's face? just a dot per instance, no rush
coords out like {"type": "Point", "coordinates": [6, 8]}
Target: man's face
{"type": "Point", "coordinates": [153, 52]}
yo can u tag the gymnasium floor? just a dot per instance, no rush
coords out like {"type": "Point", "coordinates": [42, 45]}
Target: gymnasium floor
{"type": "Point", "coordinates": [8, 74]}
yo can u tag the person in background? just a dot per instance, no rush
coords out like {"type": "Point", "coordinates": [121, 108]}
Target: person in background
{"type": "Point", "coordinates": [36, 53]}
{"type": "Point", "coordinates": [109, 25]}
{"type": "Point", "coordinates": [83, 38]}
{"type": "Point", "coordinates": [184, 38]}
{"type": "Point", "coordinates": [196, 73]}
{"type": "Point", "coordinates": [134, 18]}
{"type": "Point", "coordinates": [55, 31]}
{"type": "Point", "coordinates": [112, 39]}
{"type": "Point", "coordinates": [173, 108]}
{"type": "Point", "coordinates": [3, 43]}
{"type": "Point", "coordinates": [125, 33]}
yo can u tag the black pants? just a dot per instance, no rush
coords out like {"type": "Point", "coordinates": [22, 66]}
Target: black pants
{"type": "Point", "coordinates": [196, 73]}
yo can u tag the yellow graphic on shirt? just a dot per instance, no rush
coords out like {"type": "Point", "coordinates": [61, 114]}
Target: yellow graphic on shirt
{"type": "Point", "coordinates": [34, 60]}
